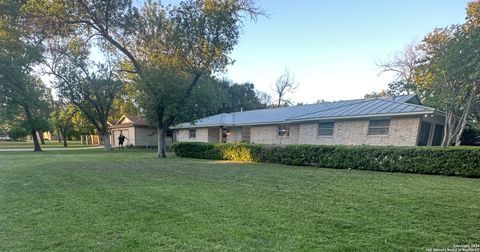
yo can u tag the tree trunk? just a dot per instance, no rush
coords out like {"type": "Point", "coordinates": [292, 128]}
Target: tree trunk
{"type": "Point", "coordinates": [106, 141]}
{"type": "Point", "coordinates": [36, 144]}
{"type": "Point", "coordinates": [161, 142]}
{"type": "Point", "coordinates": [447, 129]}
{"type": "Point", "coordinates": [40, 134]}
{"type": "Point", "coordinates": [462, 124]}
{"type": "Point", "coordinates": [65, 144]}
{"type": "Point", "coordinates": [59, 135]}
{"type": "Point", "coordinates": [466, 112]}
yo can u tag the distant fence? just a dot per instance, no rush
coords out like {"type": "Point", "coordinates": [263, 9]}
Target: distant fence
{"type": "Point", "coordinates": [90, 140]}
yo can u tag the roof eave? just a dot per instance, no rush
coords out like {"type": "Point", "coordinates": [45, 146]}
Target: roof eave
{"type": "Point", "coordinates": [200, 126]}
{"type": "Point", "coordinates": [312, 119]}
{"type": "Point", "coordinates": [363, 116]}
{"type": "Point", "coordinates": [123, 125]}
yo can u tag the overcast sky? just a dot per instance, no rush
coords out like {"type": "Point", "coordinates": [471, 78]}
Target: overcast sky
{"type": "Point", "coordinates": [331, 46]}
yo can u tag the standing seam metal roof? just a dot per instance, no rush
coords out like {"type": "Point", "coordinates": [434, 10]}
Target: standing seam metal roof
{"type": "Point", "coordinates": [342, 109]}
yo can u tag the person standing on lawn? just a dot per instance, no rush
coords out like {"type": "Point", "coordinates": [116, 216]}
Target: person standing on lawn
{"type": "Point", "coordinates": [121, 139]}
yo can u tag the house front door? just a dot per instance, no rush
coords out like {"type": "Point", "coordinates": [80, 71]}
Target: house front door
{"type": "Point", "coordinates": [224, 134]}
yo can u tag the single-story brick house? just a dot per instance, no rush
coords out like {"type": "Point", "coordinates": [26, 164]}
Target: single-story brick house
{"type": "Point", "coordinates": [400, 120]}
{"type": "Point", "coordinates": [137, 131]}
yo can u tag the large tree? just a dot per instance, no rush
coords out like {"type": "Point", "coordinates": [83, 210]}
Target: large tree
{"type": "Point", "coordinates": [91, 87]}
{"type": "Point", "coordinates": [456, 82]}
{"type": "Point", "coordinates": [444, 71]}
{"type": "Point", "coordinates": [61, 119]}
{"type": "Point", "coordinates": [449, 73]}
{"type": "Point", "coordinates": [240, 97]}
{"type": "Point", "coordinates": [126, 102]}
{"type": "Point", "coordinates": [169, 49]}
{"type": "Point", "coordinates": [183, 44]}
{"type": "Point", "coordinates": [23, 96]}
{"type": "Point", "coordinates": [402, 65]}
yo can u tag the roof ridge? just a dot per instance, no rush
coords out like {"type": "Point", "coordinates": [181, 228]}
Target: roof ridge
{"type": "Point", "coordinates": [331, 108]}
{"type": "Point", "coordinates": [119, 120]}
{"type": "Point", "coordinates": [303, 105]}
{"type": "Point", "coordinates": [366, 100]}
{"type": "Point", "coordinates": [222, 118]}
{"type": "Point", "coordinates": [329, 102]}
{"type": "Point", "coordinates": [343, 108]}
{"type": "Point", "coordinates": [406, 103]}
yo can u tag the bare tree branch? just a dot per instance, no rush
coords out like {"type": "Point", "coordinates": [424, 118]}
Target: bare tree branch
{"type": "Point", "coordinates": [284, 85]}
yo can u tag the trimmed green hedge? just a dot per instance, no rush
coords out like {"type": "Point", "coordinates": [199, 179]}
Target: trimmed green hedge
{"type": "Point", "coordinates": [460, 161]}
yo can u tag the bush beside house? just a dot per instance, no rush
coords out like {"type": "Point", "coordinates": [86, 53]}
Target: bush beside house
{"type": "Point", "coordinates": [459, 161]}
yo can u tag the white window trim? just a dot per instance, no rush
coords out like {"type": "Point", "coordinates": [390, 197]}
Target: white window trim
{"type": "Point", "coordinates": [190, 136]}
{"type": "Point", "coordinates": [379, 127]}
{"type": "Point", "coordinates": [278, 131]}
{"type": "Point", "coordinates": [328, 136]}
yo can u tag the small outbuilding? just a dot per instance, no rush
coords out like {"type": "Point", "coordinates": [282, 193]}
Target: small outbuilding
{"type": "Point", "coordinates": [137, 131]}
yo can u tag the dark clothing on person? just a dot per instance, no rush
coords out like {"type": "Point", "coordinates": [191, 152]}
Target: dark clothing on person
{"type": "Point", "coordinates": [121, 139]}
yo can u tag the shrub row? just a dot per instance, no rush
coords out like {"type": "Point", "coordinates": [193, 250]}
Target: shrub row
{"type": "Point", "coordinates": [460, 161]}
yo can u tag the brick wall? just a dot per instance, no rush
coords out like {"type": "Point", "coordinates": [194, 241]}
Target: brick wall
{"type": "Point", "coordinates": [201, 135]}
{"type": "Point", "coordinates": [214, 135]}
{"type": "Point", "coordinates": [269, 135]}
{"type": "Point", "coordinates": [402, 132]}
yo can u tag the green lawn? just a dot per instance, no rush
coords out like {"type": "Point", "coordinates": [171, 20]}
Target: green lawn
{"type": "Point", "coordinates": [128, 200]}
{"type": "Point", "coordinates": [48, 144]}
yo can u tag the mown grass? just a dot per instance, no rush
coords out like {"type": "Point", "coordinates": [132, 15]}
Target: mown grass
{"type": "Point", "coordinates": [29, 144]}
{"type": "Point", "coordinates": [128, 200]}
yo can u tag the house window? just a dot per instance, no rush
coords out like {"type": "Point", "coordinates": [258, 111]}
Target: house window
{"type": "Point", "coordinates": [325, 128]}
{"type": "Point", "coordinates": [246, 134]}
{"type": "Point", "coordinates": [283, 130]}
{"type": "Point", "coordinates": [378, 127]}
{"type": "Point", "coordinates": [192, 133]}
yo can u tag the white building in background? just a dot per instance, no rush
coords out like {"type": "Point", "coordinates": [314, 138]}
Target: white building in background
{"type": "Point", "coordinates": [137, 131]}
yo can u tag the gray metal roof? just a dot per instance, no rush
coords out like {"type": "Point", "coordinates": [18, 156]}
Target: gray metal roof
{"type": "Point", "coordinates": [386, 106]}
{"type": "Point", "coordinates": [406, 98]}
